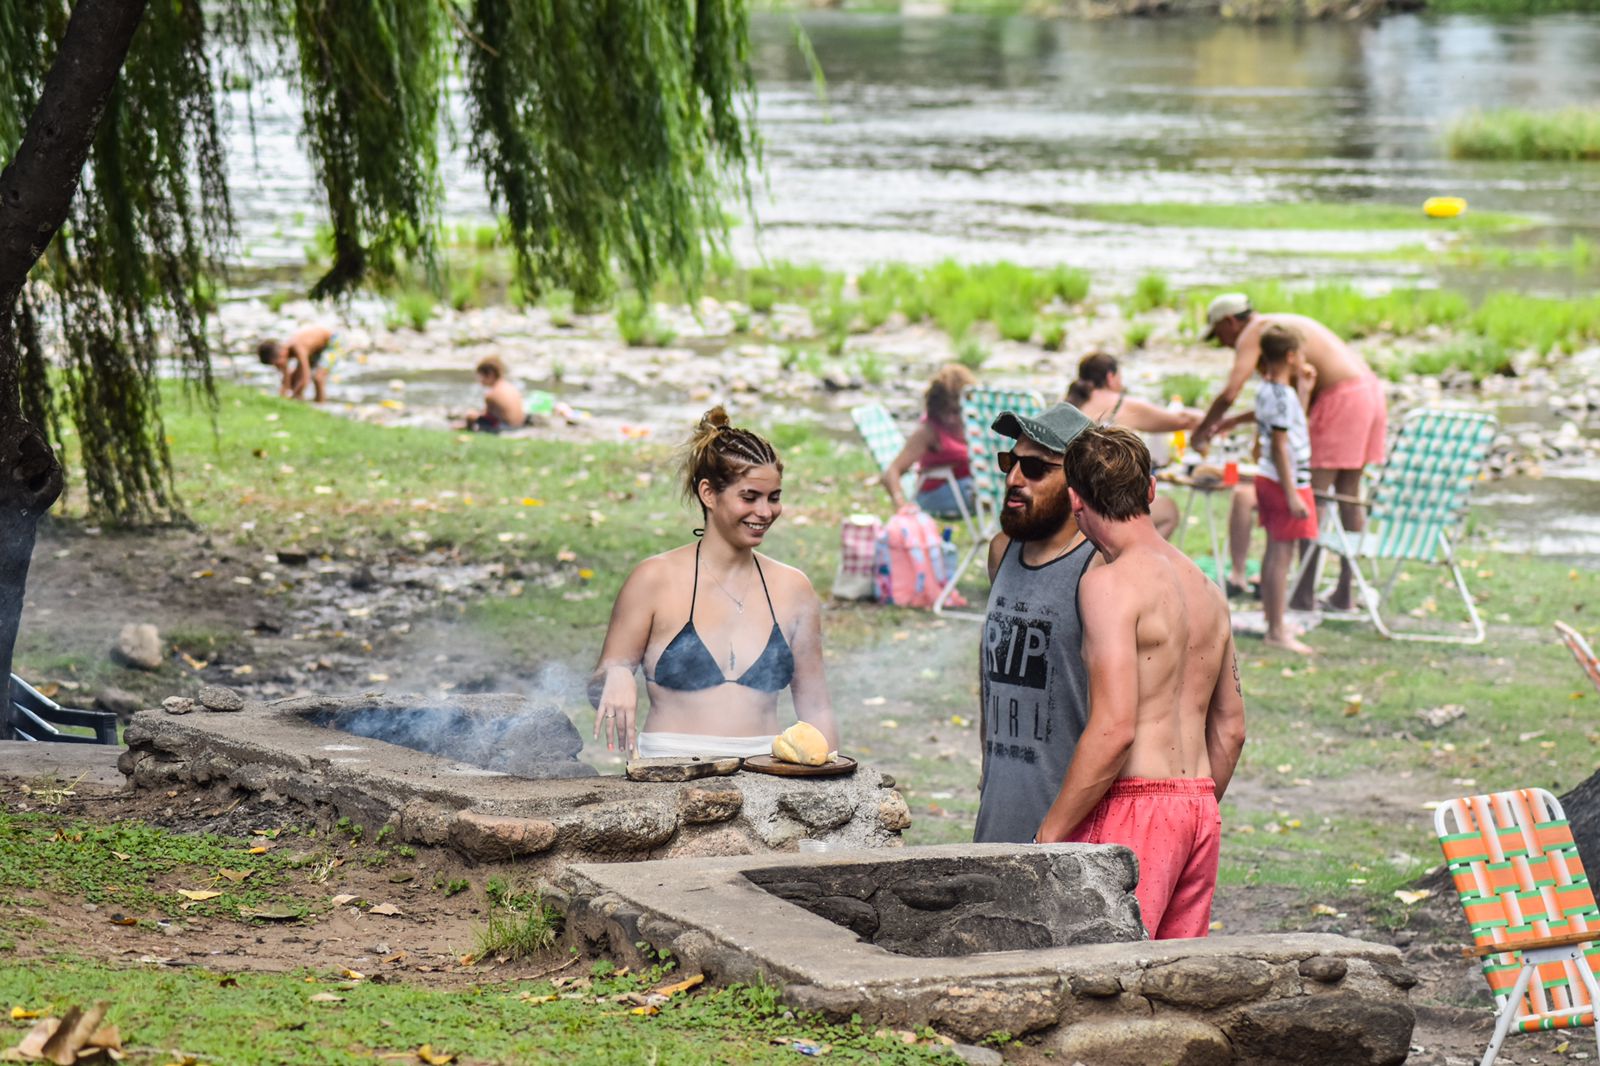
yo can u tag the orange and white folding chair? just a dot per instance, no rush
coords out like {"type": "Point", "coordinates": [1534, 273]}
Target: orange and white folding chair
{"type": "Point", "coordinates": [1529, 905]}
{"type": "Point", "coordinates": [1580, 651]}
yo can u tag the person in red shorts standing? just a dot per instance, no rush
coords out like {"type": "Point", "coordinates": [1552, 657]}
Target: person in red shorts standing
{"type": "Point", "coordinates": [1347, 415]}
{"type": "Point", "coordinates": [1283, 482]}
{"type": "Point", "coordinates": [1166, 714]}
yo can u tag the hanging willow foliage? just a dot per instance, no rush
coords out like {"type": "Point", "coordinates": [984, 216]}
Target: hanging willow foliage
{"type": "Point", "coordinates": [609, 132]}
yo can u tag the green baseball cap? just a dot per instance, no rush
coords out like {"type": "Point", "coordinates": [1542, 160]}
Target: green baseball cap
{"type": "Point", "coordinates": [1055, 429]}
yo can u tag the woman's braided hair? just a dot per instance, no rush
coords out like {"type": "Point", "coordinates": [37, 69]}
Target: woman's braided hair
{"type": "Point", "coordinates": [721, 453]}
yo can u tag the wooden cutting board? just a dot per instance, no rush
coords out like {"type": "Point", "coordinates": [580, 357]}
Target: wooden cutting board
{"type": "Point", "coordinates": [766, 764]}
{"type": "Point", "coordinates": [682, 769]}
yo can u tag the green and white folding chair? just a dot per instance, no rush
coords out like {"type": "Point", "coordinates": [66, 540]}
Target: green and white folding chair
{"type": "Point", "coordinates": [884, 441]}
{"type": "Point", "coordinates": [1416, 506]}
{"type": "Point", "coordinates": [979, 408]}
{"type": "Point", "coordinates": [1529, 906]}
{"type": "Point", "coordinates": [1580, 651]}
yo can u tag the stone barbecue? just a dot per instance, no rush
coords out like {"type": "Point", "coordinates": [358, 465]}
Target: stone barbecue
{"type": "Point", "coordinates": [494, 776]}
{"type": "Point", "coordinates": [839, 934]}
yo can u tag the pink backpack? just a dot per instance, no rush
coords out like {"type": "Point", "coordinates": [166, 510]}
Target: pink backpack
{"type": "Point", "coordinates": [911, 565]}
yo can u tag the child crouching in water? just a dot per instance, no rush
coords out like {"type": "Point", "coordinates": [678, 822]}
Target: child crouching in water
{"type": "Point", "coordinates": [1283, 482]}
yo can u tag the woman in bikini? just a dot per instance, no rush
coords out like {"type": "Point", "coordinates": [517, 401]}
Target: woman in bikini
{"type": "Point", "coordinates": [715, 663]}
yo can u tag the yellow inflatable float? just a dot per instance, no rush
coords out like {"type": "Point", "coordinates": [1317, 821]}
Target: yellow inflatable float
{"type": "Point", "coordinates": [1443, 206]}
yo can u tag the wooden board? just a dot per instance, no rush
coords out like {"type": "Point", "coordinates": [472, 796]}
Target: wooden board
{"type": "Point", "coordinates": [766, 764]}
{"type": "Point", "coordinates": [682, 769]}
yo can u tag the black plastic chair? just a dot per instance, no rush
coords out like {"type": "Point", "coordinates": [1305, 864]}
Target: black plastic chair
{"type": "Point", "coordinates": [30, 715]}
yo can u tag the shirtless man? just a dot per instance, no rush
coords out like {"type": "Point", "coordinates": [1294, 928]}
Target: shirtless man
{"type": "Point", "coordinates": [1347, 416]}
{"type": "Point", "coordinates": [299, 360]}
{"type": "Point", "coordinates": [1166, 715]}
{"type": "Point", "coordinates": [502, 400]}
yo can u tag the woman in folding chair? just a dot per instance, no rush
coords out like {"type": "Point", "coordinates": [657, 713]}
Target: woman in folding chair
{"type": "Point", "coordinates": [940, 440]}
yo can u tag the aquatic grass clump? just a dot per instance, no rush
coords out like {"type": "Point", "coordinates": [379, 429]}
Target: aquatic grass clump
{"type": "Point", "coordinates": [414, 308]}
{"type": "Point", "coordinates": [1570, 134]}
{"type": "Point", "coordinates": [956, 296]}
{"type": "Point", "coordinates": [1053, 335]}
{"type": "Point", "coordinates": [1138, 333]}
{"type": "Point", "coordinates": [972, 353]}
{"type": "Point", "coordinates": [1153, 290]}
{"type": "Point", "coordinates": [639, 326]}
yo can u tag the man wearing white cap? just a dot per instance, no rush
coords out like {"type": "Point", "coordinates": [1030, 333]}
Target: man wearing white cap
{"type": "Point", "coordinates": [1347, 419]}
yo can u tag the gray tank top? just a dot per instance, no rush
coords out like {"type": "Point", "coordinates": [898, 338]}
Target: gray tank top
{"type": "Point", "coordinates": [1035, 691]}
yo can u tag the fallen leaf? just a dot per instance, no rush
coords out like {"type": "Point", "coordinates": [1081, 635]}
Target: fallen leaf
{"type": "Point", "coordinates": [261, 850]}
{"type": "Point", "coordinates": [123, 919]}
{"type": "Point", "coordinates": [646, 1012]}
{"type": "Point", "coordinates": [396, 957]}
{"type": "Point", "coordinates": [198, 894]}
{"type": "Point", "coordinates": [326, 997]}
{"type": "Point", "coordinates": [194, 664]}
{"type": "Point", "coordinates": [352, 975]}
{"type": "Point", "coordinates": [434, 1058]}
{"type": "Point", "coordinates": [387, 909]}
{"type": "Point", "coordinates": [235, 875]}
{"type": "Point", "coordinates": [122, 856]}
{"type": "Point", "coordinates": [22, 1014]}
{"type": "Point", "coordinates": [270, 914]}
{"type": "Point", "coordinates": [342, 898]}
{"type": "Point", "coordinates": [679, 986]}
{"type": "Point", "coordinates": [1525, 737]}
{"type": "Point", "coordinates": [874, 701]}
{"type": "Point", "coordinates": [1409, 898]}
{"type": "Point", "coordinates": [270, 834]}
{"type": "Point", "coordinates": [1322, 910]}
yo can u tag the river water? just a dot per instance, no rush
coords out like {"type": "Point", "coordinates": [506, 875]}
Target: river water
{"type": "Point", "coordinates": [974, 137]}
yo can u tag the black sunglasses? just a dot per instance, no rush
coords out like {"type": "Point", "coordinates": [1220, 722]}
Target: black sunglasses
{"type": "Point", "coordinates": [1033, 467]}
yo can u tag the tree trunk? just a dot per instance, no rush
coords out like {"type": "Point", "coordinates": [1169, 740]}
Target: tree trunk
{"type": "Point", "coordinates": [36, 191]}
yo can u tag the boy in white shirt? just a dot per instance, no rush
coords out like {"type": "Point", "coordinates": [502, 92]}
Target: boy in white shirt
{"type": "Point", "coordinates": [1283, 482]}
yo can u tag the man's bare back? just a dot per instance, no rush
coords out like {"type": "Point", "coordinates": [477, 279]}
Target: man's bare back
{"type": "Point", "coordinates": [1176, 621]}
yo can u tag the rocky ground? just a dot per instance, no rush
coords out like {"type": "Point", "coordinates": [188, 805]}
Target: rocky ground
{"type": "Point", "coordinates": [778, 371]}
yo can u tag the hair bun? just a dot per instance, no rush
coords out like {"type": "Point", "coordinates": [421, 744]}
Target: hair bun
{"type": "Point", "coordinates": [714, 419]}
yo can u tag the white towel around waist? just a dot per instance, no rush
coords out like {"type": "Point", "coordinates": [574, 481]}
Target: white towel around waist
{"type": "Point", "coordinates": [670, 745]}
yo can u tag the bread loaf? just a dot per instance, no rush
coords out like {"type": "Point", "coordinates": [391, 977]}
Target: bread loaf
{"type": "Point", "coordinates": [801, 743]}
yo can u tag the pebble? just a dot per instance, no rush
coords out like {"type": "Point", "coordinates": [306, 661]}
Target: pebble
{"type": "Point", "coordinates": [178, 705]}
{"type": "Point", "coordinates": [220, 698]}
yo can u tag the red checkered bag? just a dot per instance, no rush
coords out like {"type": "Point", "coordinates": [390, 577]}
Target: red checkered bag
{"type": "Point", "coordinates": [858, 538]}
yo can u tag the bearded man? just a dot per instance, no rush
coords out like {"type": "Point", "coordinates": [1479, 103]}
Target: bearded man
{"type": "Point", "coordinates": [1034, 684]}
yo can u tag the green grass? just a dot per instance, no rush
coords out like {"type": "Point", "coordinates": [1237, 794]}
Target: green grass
{"type": "Point", "coordinates": [956, 296]}
{"type": "Point", "coordinates": [1152, 291]}
{"type": "Point", "coordinates": [520, 924]}
{"type": "Point", "coordinates": [1570, 134]}
{"type": "Point", "coordinates": [639, 326]}
{"type": "Point", "coordinates": [263, 1019]}
{"type": "Point", "coordinates": [1301, 216]}
{"type": "Point", "coordinates": [1138, 333]}
{"type": "Point", "coordinates": [138, 869]}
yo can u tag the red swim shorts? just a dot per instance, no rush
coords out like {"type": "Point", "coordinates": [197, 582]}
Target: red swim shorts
{"type": "Point", "coordinates": [1347, 422]}
{"type": "Point", "coordinates": [1273, 506]}
{"type": "Point", "coordinates": [1175, 829]}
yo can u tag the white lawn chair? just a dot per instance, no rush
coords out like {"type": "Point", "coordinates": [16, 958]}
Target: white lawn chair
{"type": "Point", "coordinates": [1418, 503]}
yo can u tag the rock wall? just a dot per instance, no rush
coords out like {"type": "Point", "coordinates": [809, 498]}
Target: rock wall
{"type": "Point", "coordinates": [1311, 999]}
{"type": "Point", "coordinates": [277, 752]}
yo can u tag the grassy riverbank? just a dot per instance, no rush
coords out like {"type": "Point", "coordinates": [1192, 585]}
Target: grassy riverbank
{"type": "Point", "coordinates": [1570, 134]}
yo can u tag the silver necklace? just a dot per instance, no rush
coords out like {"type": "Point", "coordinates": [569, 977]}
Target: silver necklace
{"type": "Point", "coordinates": [738, 601]}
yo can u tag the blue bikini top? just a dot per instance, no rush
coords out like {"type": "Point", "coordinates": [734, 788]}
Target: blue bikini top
{"type": "Point", "coordinates": [687, 665]}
